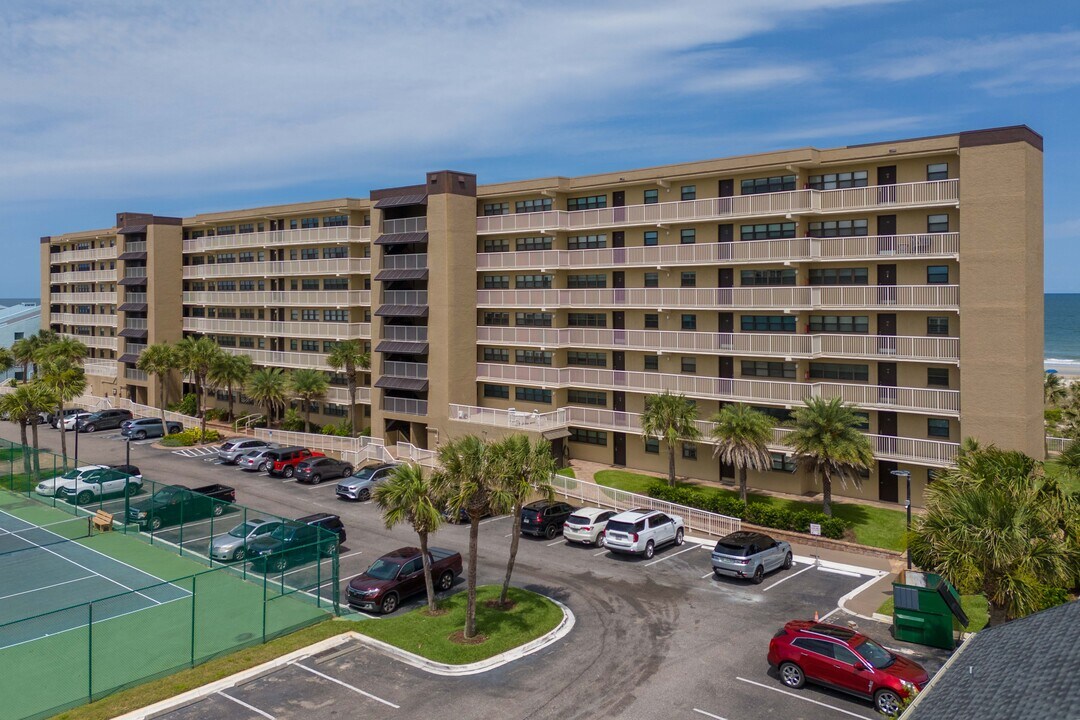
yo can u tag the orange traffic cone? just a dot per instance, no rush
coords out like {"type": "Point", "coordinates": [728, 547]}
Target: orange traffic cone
{"type": "Point", "coordinates": [815, 616]}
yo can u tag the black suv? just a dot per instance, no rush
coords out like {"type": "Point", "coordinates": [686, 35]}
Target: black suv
{"type": "Point", "coordinates": [544, 517]}
{"type": "Point", "coordinates": [102, 420]}
{"type": "Point", "coordinates": [315, 470]}
{"type": "Point", "coordinates": [326, 521]}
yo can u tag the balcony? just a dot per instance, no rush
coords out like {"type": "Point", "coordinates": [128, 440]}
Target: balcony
{"type": "Point", "coordinates": [134, 297]}
{"type": "Point", "coordinates": [90, 298]}
{"type": "Point", "coordinates": [796, 202]}
{"type": "Point", "coordinates": [404, 225]}
{"type": "Point", "coordinates": [83, 319]}
{"type": "Point", "coordinates": [282, 358]}
{"type": "Point", "coordinates": [81, 276]}
{"type": "Point", "coordinates": [935, 245]}
{"type": "Point", "coordinates": [405, 297]}
{"type": "Point", "coordinates": [279, 268]}
{"type": "Point", "coordinates": [136, 374]}
{"type": "Point", "coordinates": [278, 238]}
{"type": "Point", "coordinates": [410, 261]}
{"type": "Point", "coordinates": [788, 394]}
{"type": "Point", "coordinates": [268, 328]}
{"type": "Point", "coordinates": [135, 272]}
{"type": "Point", "coordinates": [104, 253]}
{"type": "Point", "coordinates": [405, 333]}
{"type": "Point", "coordinates": [134, 246]}
{"type": "Point", "coordinates": [802, 297]}
{"type": "Point", "coordinates": [296, 298]}
{"type": "Point", "coordinates": [133, 323]}
{"type": "Point", "coordinates": [418, 371]}
{"type": "Point", "coordinates": [340, 396]}
{"type": "Point", "coordinates": [94, 341]}
{"type": "Point", "coordinates": [879, 347]}
{"type": "Point", "coordinates": [131, 348]}
{"type": "Point", "coordinates": [100, 369]}
{"type": "Point", "coordinates": [405, 406]}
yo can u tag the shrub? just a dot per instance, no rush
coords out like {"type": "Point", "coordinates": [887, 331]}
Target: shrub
{"type": "Point", "coordinates": [214, 413]}
{"type": "Point", "coordinates": [188, 406]}
{"type": "Point", "coordinates": [190, 437]}
{"type": "Point", "coordinates": [342, 429]}
{"type": "Point", "coordinates": [293, 421]}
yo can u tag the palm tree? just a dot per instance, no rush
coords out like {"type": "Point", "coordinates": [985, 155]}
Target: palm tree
{"type": "Point", "coordinates": [159, 360]}
{"type": "Point", "coordinates": [1070, 458]}
{"type": "Point", "coordinates": [67, 381]}
{"type": "Point", "coordinates": [37, 398]}
{"type": "Point", "coordinates": [996, 525]}
{"type": "Point", "coordinates": [229, 372]}
{"type": "Point", "coordinates": [742, 437]}
{"type": "Point", "coordinates": [15, 406]}
{"type": "Point", "coordinates": [409, 496]}
{"type": "Point", "coordinates": [526, 470]}
{"type": "Point", "coordinates": [22, 351]}
{"type": "Point", "coordinates": [7, 360]}
{"type": "Point", "coordinates": [196, 356]}
{"type": "Point", "coordinates": [828, 443]}
{"type": "Point", "coordinates": [1054, 389]}
{"type": "Point", "coordinates": [470, 482]}
{"type": "Point", "coordinates": [63, 348]}
{"type": "Point", "coordinates": [350, 357]}
{"type": "Point", "coordinates": [672, 419]}
{"type": "Point", "coordinates": [37, 344]}
{"type": "Point", "coordinates": [266, 386]}
{"type": "Point", "coordinates": [308, 386]}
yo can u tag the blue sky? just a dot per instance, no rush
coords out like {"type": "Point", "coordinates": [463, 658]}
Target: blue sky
{"type": "Point", "coordinates": [183, 107]}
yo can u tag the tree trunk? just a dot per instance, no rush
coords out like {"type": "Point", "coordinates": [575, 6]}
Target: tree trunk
{"type": "Point", "coordinates": [742, 483]}
{"type": "Point", "coordinates": [671, 465]}
{"type": "Point", "coordinates": [199, 408]}
{"type": "Point", "coordinates": [826, 494]}
{"type": "Point", "coordinates": [25, 447]}
{"type": "Point", "coordinates": [515, 538]}
{"type": "Point", "coordinates": [163, 400]}
{"type": "Point", "coordinates": [470, 605]}
{"type": "Point", "coordinates": [37, 460]}
{"type": "Point", "coordinates": [352, 406]}
{"type": "Point", "coordinates": [230, 391]}
{"type": "Point", "coordinates": [429, 585]}
{"type": "Point", "coordinates": [63, 435]}
{"type": "Point", "coordinates": [307, 416]}
{"type": "Point", "coordinates": [998, 615]}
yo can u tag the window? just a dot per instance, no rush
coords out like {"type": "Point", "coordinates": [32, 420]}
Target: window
{"type": "Point", "coordinates": [937, 427]}
{"type": "Point", "coordinates": [762, 368]}
{"type": "Point", "coordinates": [226, 230]}
{"type": "Point", "coordinates": [497, 318]}
{"type": "Point", "coordinates": [688, 192]}
{"type": "Point", "coordinates": [591, 202]}
{"type": "Point", "coordinates": [781, 462]}
{"type": "Point", "coordinates": [576, 282]}
{"type": "Point", "coordinates": [496, 282]}
{"type": "Point", "coordinates": [652, 197]}
{"type": "Point", "coordinates": [778, 414]}
{"type": "Point", "coordinates": [689, 365]}
{"type": "Point", "coordinates": [652, 445]}
{"type": "Point", "coordinates": [309, 345]}
{"type": "Point", "coordinates": [335, 410]}
{"type": "Point", "coordinates": [226, 285]}
{"type": "Point", "coordinates": [335, 283]}
{"type": "Point", "coordinates": [937, 171]}
{"type": "Point", "coordinates": [308, 223]}
{"type": "Point", "coordinates": [533, 319]}
{"type": "Point", "coordinates": [222, 258]}
{"type": "Point", "coordinates": [534, 282]}
{"type": "Point", "coordinates": [247, 257]}
{"type": "Point", "coordinates": [533, 357]}
{"type": "Point", "coordinates": [533, 243]}
{"type": "Point", "coordinates": [310, 315]}
{"type": "Point", "coordinates": [937, 326]}
{"type": "Point", "coordinates": [689, 451]}
{"type": "Point", "coordinates": [587, 397]}
{"type": "Point", "coordinates": [937, 223]}
{"type": "Point", "coordinates": [335, 316]}
{"type": "Point", "coordinates": [589, 437]}
{"type": "Point", "coordinates": [937, 274]}
{"type": "Point", "coordinates": [497, 355]}
{"type": "Point", "coordinates": [528, 394]}
{"type": "Point", "coordinates": [586, 242]}
{"type": "Point", "coordinates": [689, 322]}
{"type": "Point", "coordinates": [840, 323]}
{"type": "Point", "coordinates": [292, 224]}
{"type": "Point", "coordinates": [309, 284]}
{"type": "Point", "coordinates": [937, 376]}
{"type": "Point", "coordinates": [225, 341]}
{"type": "Point", "coordinates": [336, 252]}
{"type": "Point", "coordinates": [497, 391]}
{"type": "Point", "coordinates": [652, 362]}
{"type": "Point", "coordinates": [767, 231]}
{"type": "Point", "coordinates": [497, 208]}
{"type": "Point", "coordinates": [586, 320]}
{"type": "Point", "coordinates": [839, 276]}
{"type": "Point", "coordinates": [768, 184]}
{"type": "Point", "coordinates": [335, 221]}
{"type": "Point", "coordinates": [834, 181]}
{"type": "Point", "coordinates": [652, 279]}
{"type": "Point", "coordinates": [652, 321]}
{"type": "Point", "coordinates": [537, 205]}
{"type": "Point", "coordinates": [768, 277]}
{"type": "Point", "coordinates": [247, 341]}
{"type": "Point", "coordinates": [227, 313]}
{"type": "Point", "coordinates": [688, 236]}
{"type": "Point", "coordinates": [247, 285]}
{"type": "Point", "coordinates": [652, 237]}
{"type": "Point", "coordinates": [587, 359]}
{"type": "Point", "coordinates": [502, 245]}
{"type": "Point", "coordinates": [839, 371]}
{"type": "Point", "coordinates": [838, 228]}
{"type": "Point", "coordinates": [688, 279]}
{"type": "Point", "coordinates": [309, 253]}
{"type": "Point", "coordinates": [767, 323]}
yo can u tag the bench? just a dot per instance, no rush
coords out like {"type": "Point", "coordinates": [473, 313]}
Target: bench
{"type": "Point", "coordinates": [102, 521]}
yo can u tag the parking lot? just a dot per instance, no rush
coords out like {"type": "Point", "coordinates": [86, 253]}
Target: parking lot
{"type": "Point", "coordinates": [654, 638]}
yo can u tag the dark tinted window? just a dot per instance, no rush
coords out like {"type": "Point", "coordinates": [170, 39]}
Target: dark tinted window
{"type": "Point", "coordinates": [623, 527]}
{"type": "Point", "coordinates": [821, 647]}
{"type": "Point", "coordinates": [731, 549]}
{"type": "Point", "coordinates": [844, 655]}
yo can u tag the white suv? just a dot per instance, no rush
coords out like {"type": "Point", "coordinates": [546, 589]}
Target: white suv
{"type": "Point", "coordinates": [641, 531]}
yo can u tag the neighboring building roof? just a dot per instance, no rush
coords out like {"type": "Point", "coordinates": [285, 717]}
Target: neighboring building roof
{"type": "Point", "coordinates": [1023, 670]}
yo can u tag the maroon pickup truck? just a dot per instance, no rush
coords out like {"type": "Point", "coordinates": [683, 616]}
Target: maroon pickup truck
{"type": "Point", "coordinates": [400, 574]}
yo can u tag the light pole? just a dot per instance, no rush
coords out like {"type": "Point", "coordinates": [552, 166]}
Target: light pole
{"type": "Point", "coordinates": [76, 427]}
{"type": "Point", "coordinates": [127, 461]}
{"type": "Point", "coordinates": [906, 474]}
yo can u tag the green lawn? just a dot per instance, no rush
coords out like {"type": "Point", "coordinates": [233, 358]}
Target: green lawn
{"type": "Point", "coordinates": [532, 616]}
{"type": "Point", "coordinates": [1069, 481]}
{"type": "Point", "coordinates": [873, 526]}
{"type": "Point", "coordinates": [568, 472]}
{"type": "Point", "coordinates": [975, 607]}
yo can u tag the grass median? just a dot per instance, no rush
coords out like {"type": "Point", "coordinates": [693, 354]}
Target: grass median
{"type": "Point", "coordinates": [531, 616]}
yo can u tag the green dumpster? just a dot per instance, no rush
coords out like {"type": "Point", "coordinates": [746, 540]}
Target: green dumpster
{"type": "Point", "coordinates": [925, 607]}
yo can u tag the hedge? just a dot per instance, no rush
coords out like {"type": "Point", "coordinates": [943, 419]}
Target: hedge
{"type": "Point", "coordinates": [762, 514]}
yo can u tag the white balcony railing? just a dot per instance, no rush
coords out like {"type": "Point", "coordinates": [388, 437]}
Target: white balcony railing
{"type": "Point", "coordinates": [795, 202]}
{"type": "Point", "coordinates": [83, 319]}
{"type": "Point", "coordinates": [81, 276]}
{"type": "Point", "coordinates": [340, 396]}
{"type": "Point", "coordinates": [405, 333]}
{"type": "Point", "coordinates": [95, 341]}
{"type": "Point", "coordinates": [405, 297]}
{"type": "Point", "coordinates": [406, 369]}
{"type": "Point", "coordinates": [337, 298]}
{"type": "Point", "coordinates": [280, 238]}
{"type": "Point", "coordinates": [134, 246]}
{"type": "Point", "coordinates": [135, 272]}
{"type": "Point", "coordinates": [66, 256]}
{"type": "Point", "coordinates": [405, 225]}
{"type": "Point", "coordinates": [135, 374]}
{"type": "Point", "coordinates": [407, 406]}
{"type": "Point", "coordinates": [282, 358]}
{"type": "Point", "coordinates": [133, 323]}
{"type": "Point", "coordinates": [88, 298]}
{"type": "Point", "coordinates": [268, 328]}
{"type": "Point", "coordinates": [408, 261]}
{"type": "Point", "coordinates": [279, 268]}
{"type": "Point", "coordinates": [134, 297]}
{"type": "Point", "coordinates": [100, 369]}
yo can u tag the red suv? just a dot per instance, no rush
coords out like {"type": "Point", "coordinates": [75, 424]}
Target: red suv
{"type": "Point", "coordinates": [283, 461]}
{"type": "Point", "coordinates": [844, 660]}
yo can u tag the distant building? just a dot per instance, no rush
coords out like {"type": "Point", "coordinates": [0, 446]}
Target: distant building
{"type": "Point", "coordinates": [17, 322]}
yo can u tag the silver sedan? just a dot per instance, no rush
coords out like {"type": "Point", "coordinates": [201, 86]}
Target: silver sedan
{"type": "Point", "coordinates": [233, 545]}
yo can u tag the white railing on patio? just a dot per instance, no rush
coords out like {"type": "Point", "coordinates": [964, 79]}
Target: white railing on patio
{"type": "Point", "coordinates": [1057, 445]}
{"type": "Point", "coordinates": [407, 406]}
{"type": "Point", "coordinates": [278, 238]}
{"type": "Point", "coordinates": [510, 418]}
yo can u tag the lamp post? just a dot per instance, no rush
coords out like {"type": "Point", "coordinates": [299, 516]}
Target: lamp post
{"type": "Point", "coordinates": [127, 461]}
{"type": "Point", "coordinates": [76, 427]}
{"type": "Point", "coordinates": [906, 474]}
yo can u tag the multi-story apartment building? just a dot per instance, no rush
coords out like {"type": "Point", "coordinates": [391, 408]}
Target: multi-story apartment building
{"type": "Point", "coordinates": [904, 277]}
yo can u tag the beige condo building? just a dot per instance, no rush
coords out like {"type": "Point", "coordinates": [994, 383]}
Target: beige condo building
{"type": "Point", "coordinates": [904, 277]}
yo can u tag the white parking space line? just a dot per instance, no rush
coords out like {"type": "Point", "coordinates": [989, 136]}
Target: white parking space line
{"type": "Point", "coordinates": [602, 552]}
{"type": "Point", "coordinates": [802, 697]}
{"type": "Point", "coordinates": [493, 519]}
{"type": "Point", "coordinates": [708, 574]}
{"type": "Point", "coordinates": [252, 708]}
{"type": "Point", "coordinates": [708, 714]}
{"type": "Point", "coordinates": [345, 684]}
{"type": "Point", "coordinates": [668, 557]}
{"type": "Point", "coordinates": [788, 577]}
{"type": "Point", "coordinates": [557, 542]}
{"type": "Point", "coordinates": [834, 571]}
{"type": "Point", "coordinates": [340, 558]}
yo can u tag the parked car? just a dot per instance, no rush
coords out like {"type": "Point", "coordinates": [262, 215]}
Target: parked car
{"type": "Point", "coordinates": [257, 460]}
{"type": "Point", "coordinates": [290, 543]}
{"type": "Point", "coordinates": [233, 545]}
{"type": "Point", "coordinates": [749, 555]}
{"type": "Point", "coordinates": [69, 421]}
{"type": "Point", "coordinates": [149, 428]}
{"type": "Point", "coordinates": [587, 525]}
{"type": "Point", "coordinates": [544, 517]}
{"type": "Point", "coordinates": [326, 521]}
{"type": "Point", "coordinates": [102, 420]}
{"type": "Point", "coordinates": [400, 574]}
{"type": "Point", "coordinates": [234, 448]}
{"type": "Point", "coordinates": [107, 482]}
{"type": "Point", "coordinates": [282, 462]}
{"type": "Point", "coordinates": [845, 660]}
{"type": "Point", "coordinates": [641, 531]}
{"type": "Point", "coordinates": [361, 483]}
{"type": "Point", "coordinates": [53, 487]}
{"type": "Point", "coordinates": [315, 470]}
{"type": "Point", "coordinates": [54, 418]}
{"type": "Point", "coordinates": [176, 503]}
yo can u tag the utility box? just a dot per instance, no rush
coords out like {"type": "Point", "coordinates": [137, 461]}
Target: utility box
{"type": "Point", "coordinates": [925, 607]}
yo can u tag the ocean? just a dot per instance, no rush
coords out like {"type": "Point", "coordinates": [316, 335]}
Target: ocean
{"type": "Point", "coordinates": [1061, 346]}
